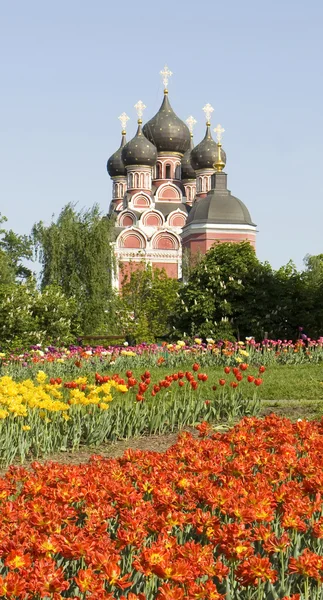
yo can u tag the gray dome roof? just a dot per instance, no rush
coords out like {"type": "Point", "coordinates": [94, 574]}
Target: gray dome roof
{"type": "Point", "coordinates": [204, 155]}
{"type": "Point", "coordinates": [187, 169]}
{"type": "Point", "coordinates": [219, 206]}
{"type": "Point", "coordinates": [139, 151]}
{"type": "Point", "coordinates": [115, 164]}
{"type": "Point", "coordinates": [167, 131]}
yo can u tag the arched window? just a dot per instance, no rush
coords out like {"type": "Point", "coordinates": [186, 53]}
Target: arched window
{"type": "Point", "coordinates": [158, 171]}
{"type": "Point", "coordinates": [168, 171]}
{"type": "Point", "coordinates": [178, 172]}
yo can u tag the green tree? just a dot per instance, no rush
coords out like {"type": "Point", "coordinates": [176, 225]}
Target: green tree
{"type": "Point", "coordinates": [227, 294]}
{"type": "Point", "coordinates": [147, 303]}
{"type": "Point", "coordinates": [76, 253]}
{"type": "Point", "coordinates": [29, 316]}
{"type": "Point", "coordinates": [312, 321]}
{"type": "Point", "coordinates": [14, 249]}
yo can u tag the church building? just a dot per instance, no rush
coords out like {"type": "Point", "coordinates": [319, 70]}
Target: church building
{"type": "Point", "coordinates": [169, 195]}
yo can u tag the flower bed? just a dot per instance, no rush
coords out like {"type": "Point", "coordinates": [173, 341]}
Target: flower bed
{"type": "Point", "coordinates": [62, 361]}
{"type": "Point", "coordinates": [42, 416]}
{"type": "Point", "coordinates": [235, 516]}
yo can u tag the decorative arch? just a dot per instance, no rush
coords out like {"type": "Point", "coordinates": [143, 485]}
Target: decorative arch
{"type": "Point", "coordinates": [165, 240]}
{"type": "Point", "coordinates": [126, 219]}
{"type": "Point", "coordinates": [177, 219]}
{"type": "Point", "coordinates": [169, 191]}
{"type": "Point", "coordinates": [152, 218]}
{"type": "Point", "coordinates": [132, 238]}
{"type": "Point", "coordinates": [140, 200]}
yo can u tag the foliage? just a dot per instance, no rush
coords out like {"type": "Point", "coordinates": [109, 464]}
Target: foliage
{"type": "Point", "coordinates": [147, 301]}
{"type": "Point", "coordinates": [29, 316]}
{"type": "Point", "coordinates": [226, 294]}
{"type": "Point", "coordinates": [14, 249]}
{"type": "Point", "coordinates": [231, 293]}
{"type": "Point", "coordinates": [76, 254]}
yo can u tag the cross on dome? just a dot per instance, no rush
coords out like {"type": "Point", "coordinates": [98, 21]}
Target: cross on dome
{"type": "Point", "coordinates": [166, 74]}
{"type": "Point", "coordinates": [191, 122]}
{"type": "Point", "coordinates": [219, 130]}
{"type": "Point", "coordinates": [208, 110]}
{"type": "Point", "coordinates": [123, 119]}
{"type": "Point", "coordinates": [140, 107]}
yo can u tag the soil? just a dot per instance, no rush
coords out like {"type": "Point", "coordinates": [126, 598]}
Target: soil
{"type": "Point", "coordinates": [152, 443]}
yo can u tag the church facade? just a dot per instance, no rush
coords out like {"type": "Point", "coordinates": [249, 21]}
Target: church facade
{"type": "Point", "coordinates": [169, 195]}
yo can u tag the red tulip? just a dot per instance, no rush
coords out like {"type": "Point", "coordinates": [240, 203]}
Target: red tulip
{"type": "Point", "coordinates": [222, 381]}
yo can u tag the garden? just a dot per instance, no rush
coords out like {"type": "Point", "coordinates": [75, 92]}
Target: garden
{"type": "Point", "coordinates": [183, 462]}
{"type": "Point", "coordinates": [231, 510]}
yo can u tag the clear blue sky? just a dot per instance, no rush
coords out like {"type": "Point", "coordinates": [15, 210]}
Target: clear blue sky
{"type": "Point", "coordinates": [70, 67]}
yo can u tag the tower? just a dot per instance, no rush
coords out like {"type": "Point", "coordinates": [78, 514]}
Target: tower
{"type": "Point", "coordinates": [117, 171]}
{"type": "Point", "coordinates": [203, 157]}
{"type": "Point", "coordinates": [218, 216]}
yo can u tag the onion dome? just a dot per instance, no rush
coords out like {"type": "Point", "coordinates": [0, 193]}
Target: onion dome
{"type": "Point", "coordinates": [166, 130]}
{"type": "Point", "coordinates": [139, 151]}
{"type": "Point", "coordinates": [115, 165]}
{"type": "Point", "coordinates": [219, 206]}
{"type": "Point", "coordinates": [204, 155]}
{"type": "Point", "coordinates": [187, 169]}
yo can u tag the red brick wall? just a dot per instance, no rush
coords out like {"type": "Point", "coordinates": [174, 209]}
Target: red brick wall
{"type": "Point", "coordinates": [202, 242]}
{"type": "Point", "coordinates": [170, 268]}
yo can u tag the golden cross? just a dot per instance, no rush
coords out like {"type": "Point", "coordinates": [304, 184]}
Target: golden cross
{"type": "Point", "coordinates": [166, 74]}
{"type": "Point", "coordinates": [208, 110]}
{"type": "Point", "coordinates": [219, 130]}
{"type": "Point", "coordinates": [191, 122]}
{"type": "Point", "coordinates": [140, 107]}
{"type": "Point", "coordinates": [123, 119]}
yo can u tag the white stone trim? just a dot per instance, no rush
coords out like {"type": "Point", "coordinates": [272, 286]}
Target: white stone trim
{"type": "Point", "coordinates": [234, 227]}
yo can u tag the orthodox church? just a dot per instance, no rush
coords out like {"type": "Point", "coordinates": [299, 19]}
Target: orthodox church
{"type": "Point", "coordinates": [169, 195]}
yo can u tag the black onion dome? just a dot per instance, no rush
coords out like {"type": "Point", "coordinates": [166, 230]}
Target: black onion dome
{"type": "Point", "coordinates": [139, 151]}
{"type": "Point", "coordinates": [115, 165]}
{"type": "Point", "coordinates": [219, 206]}
{"type": "Point", "coordinates": [167, 131]}
{"type": "Point", "coordinates": [205, 154]}
{"type": "Point", "coordinates": [187, 169]}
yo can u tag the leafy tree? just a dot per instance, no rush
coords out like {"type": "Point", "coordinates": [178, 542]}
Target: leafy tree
{"type": "Point", "coordinates": [14, 249]}
{"type": "Point", "coordinates": [147, 300]}
{"type": "Point", "coordinates": [29, 316]}
{"type": "Point", "coordinates": [76, 254]}
{"type": "Point", "coordinates": [226, 294]}
{"type": "Point", "coordinates": [312, 321]}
